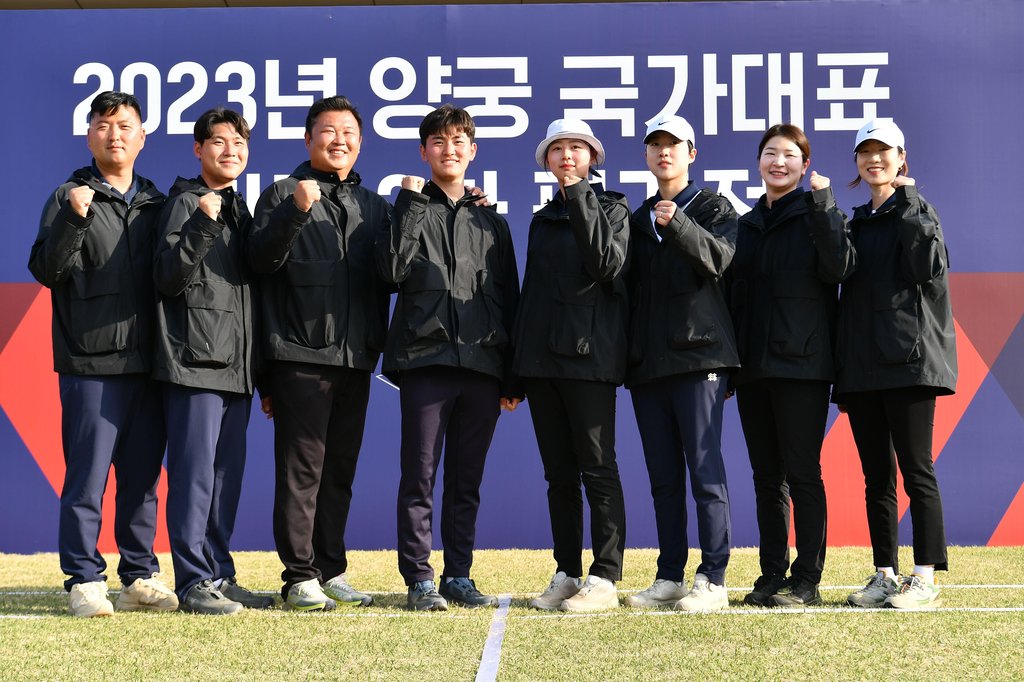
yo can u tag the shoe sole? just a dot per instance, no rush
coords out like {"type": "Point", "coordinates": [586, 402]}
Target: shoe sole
{"type": "Point", "coordinates": [353, 604]}
{"type": "Point", "coordinates": [307, 609]}
{"type": "Point", "coordinates": [767, 604]}
{"type": "Point", "coordinates": [188, 609]}
{"type": "Point", "coordinates": [703, 609]}
{"type": "Point", "coordinates": [144, 607]}
{"type": "Point", "coordinates": [797, 604]}
{"type": "Point", "coordinates": [588, 609]}
{"type": "Point", "coordinates": [632, 603]}
{"type": "Point", "coordinates": [926, 607]}
{"type": "Point", "coordinates": [431, 607]}
{"type": "Point", "coordinates": [94, 614]}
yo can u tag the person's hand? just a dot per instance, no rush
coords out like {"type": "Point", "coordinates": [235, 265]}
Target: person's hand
{"type": "Point", "coordinates": [210, 204]}
{"type": "Point", "coordinates": [306, 192]}
{"type": "Point", "coordinates": [569, 179]}
{"type": "Point", "coordinates": [819, 181]}
{"type": "Point", "coordinates": [901, 180]}
{"type": "Point", "coordinates": [80, 199]}
{"type": "Point", "coordinates": [413, 182]}
{"type": "Point", "coordinates": [477, 192]}
{"type": "Point", "coordinates": [509, 404]}
{"type": "Point", "coordinates": [267, 406]}
{"type": "Point", "coordinates": [663, 211]}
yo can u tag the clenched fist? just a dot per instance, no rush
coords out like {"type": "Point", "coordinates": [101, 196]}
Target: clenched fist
{"type": "Point", "coordinates": [306, 192]}
{"type": "Point", "coordinates": [901, 180]}
{"type": "Point", "coordinates": [413, 182]}
{"type": "Point", "coordinates": [663, 211]}
{"type": "Point", "coordinates": [210, 204]}
{"type": "Point", "coordinates": [819, 181]}
{"type": "Point", "coordinates": [80, 199]}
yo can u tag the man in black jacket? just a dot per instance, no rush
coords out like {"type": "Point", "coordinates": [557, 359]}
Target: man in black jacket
{"type": "Point", "coordinates": [324, 322]}
{"type": "Point", "coordinates": [204, 354]}
{"type": "Point", "coordinates": [681, 350]}
{"type": "Point", "coordinates": [448, 348]}
{"type": "Point", "coordinates": [94, 252]}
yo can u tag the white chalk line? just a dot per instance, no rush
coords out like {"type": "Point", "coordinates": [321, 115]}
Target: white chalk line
{"type": "Point", "coordinates": [491, 656]}
{"type": "Point", "coordinates": [769, 612]}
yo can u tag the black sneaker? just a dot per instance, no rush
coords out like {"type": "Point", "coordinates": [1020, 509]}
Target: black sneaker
{"type": "Point", "coordinates": [230, 588]}
{"type": "Point", "coordinates": [798, 592]}
{"type": "Point", "coordinates": [206, 599]}
{"type": "Point", "coordinates": [423, 596]}
{"type": "Point", "coordinates": [462, 591]}
{"type": "Point", "coordinates": [765, 588]}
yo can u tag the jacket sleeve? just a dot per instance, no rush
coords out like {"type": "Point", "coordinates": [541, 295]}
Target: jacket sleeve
{"type": "Point", "coordinates": [398, 240]}
{"type": "Point", "coordinates": [275, 227]}
{"type": "Point", "coordinates": [602, 234]}
{"type": "Point", "coordinates": [512, 384]}
{"type": "Point", "coordinates": [837, 259]}
{"type": "Point", "coordinates": [709, 250]}
{"type": "Point", "coordinates": [924, 251]}
{"type": "Point", "coordinates": [58, 246]}
{"type": "Point", "coordinates": [186, 236]}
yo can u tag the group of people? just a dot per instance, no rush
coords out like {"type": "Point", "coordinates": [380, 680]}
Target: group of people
{"type": "Point", "coordinates": [169, 312]}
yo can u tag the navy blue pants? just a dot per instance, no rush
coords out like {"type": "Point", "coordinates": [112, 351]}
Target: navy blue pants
{"type": "Point", "coordinates": [459, 409]}
{"type": "Point", "coordinates": [575, 425]}
{"type": "Point", "coordinates": [784, 426]}
{"type": "Point", "coordinates": [205, 463]}
{"type": "Point", "coordinates": [680, 422]}
{"type": "Point", "coordinates": [109, 420]}
{"type": "Point", "coordinates": [319, 415]}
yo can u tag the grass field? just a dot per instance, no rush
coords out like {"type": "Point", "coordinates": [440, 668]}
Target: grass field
{"type": "Point", "coordinates": [977, 635]}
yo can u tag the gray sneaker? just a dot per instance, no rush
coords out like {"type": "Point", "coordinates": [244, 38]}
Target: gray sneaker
{"type": "Point", "coordinates": [338, 589]}
{"type": "Point", "coordinates": [873, 595]}
{"type": "Point", "coordinates": [207, 600]}
{"type": "Point", "coordinates": [423, 596]}
{"type": "Point", "coordinates": [230, 588]}
{"type": "Point", "coordinates": [462, 591]}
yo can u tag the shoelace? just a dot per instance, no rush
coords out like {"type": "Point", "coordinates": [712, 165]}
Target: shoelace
{"type": "Point", "coordinates": [910, 583]}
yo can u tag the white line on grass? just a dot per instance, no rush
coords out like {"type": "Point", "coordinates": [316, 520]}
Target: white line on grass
{"type": "Point", "coordinates": [491, 657]}
{"type": "Point", "coordinates": [848, 610]}
{"type": "Point", "coordinates": [16, 617]}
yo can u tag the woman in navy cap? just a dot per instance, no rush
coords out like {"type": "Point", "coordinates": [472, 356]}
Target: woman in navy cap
{"type": "Point", "coordinates": [570, 349]}
{"type": "Point", "coordinates": [896, 306]}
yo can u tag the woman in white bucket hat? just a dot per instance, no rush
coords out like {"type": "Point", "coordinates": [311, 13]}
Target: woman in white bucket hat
{"type": "Point", "coordinates": [897, 308]}
{"type": "Point", "coordinates": [570, 350]}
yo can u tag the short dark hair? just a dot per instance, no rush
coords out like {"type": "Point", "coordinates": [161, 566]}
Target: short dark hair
{"type": "Point", "coordinates": [792, 133]}
{"type": "Point", "coordinates": [203, 129]}
{"type": "Point", "coordinates": [331, 104]}
{"type": "Point", "coordinates": [106, 103]}
{"type": "Point", "coordinates": [447, 118]}
{"type": "Point", "coordinates": [904, 169]}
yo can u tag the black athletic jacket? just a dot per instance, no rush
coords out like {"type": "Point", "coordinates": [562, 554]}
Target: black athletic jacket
{"type": "Point", "coordinates": [458, 284]}
{"type": "Point", "coordinates": [679, 317]}
{"type": "Point", "coordinates": [322, 299]}
{"type": "Point", "coordinates": [788, 264]}
{"type": "Point", "coordinates": [895, 319]}
{"type": "Point", "coordinates": [205, 313]}
{"type": "Point", "coordinates": [99, 270]}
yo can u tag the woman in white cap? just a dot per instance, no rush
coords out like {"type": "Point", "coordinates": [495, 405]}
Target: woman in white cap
{"type": "Point", "coordinates": [570, 349]}
{"type": "Point", "coordinates": [792, 250]}
{"type": "Point", "coordinates": [897, 308]}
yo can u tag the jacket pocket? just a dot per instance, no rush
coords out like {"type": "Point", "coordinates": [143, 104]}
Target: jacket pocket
{"type": "Point", "coordinates": [690, 325]}
{"type": "Point", "coordinates": [492, 331]}
{"type": "Point", "coordinates": [211, 324]}
{"type": "Point", "coordinates": [426, 299]}
{"type": "Point", "coordinates": [794, 316]}
{"type": "Point", "coordinates": [311, 320]}
{"type": "Point", "coordinates": [97, 324]}
{"type": "Point", "coordinates": [896, 326]}
{"type": "Point", "coordinates": [572, 320]}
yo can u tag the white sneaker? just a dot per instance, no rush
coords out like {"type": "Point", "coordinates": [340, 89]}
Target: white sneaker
{"type": "Point", "coordinates": [597, 594]}
{"type": "Point", "coordinates": [90, 599]}
{"type": "Point", "coordinates": [661, 593]}
{"type": "Point", "coordinates": [914, 593]}
{"type": "Point", "coordinates": [147, 594]}
{"type": "Point", "coordinates": [308, 596]}
{"type": "Point", "coordinates": [705, 596]}
{"type": "Point", "coordinates": [873, 595]}
{"type": "Point", "coordinates": [338, 589]}
{"type": "Point", "coordinates": [559, 589]}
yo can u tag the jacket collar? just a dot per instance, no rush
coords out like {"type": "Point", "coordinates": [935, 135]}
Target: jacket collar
{"type": "Point", "coordinates": [147, 191]}
{"type": "Point", "coordinates": [305, 171]}
{"type": "Point", "coordinates": [785, 208]}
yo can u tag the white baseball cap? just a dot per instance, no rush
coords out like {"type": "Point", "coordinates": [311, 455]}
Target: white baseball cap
{"type": "Point", "coordinates": [883, 130]}
{"type": "Point", "coordinates": [676, 126]}
{"type": "Point", "coordinates": [569, 128]}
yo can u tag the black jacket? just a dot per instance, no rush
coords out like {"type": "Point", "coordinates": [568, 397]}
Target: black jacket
{"type": "Point", "coordinates": [679, 316]}
{"type": "Point", "coordinates": [322, 299]}
{"type": "Point", "coordinates": [205, 312]}
{"type": "Point", "coordinates": [895, 319]}
{"type": "Point", "coordinates": [99, 270]}
{"type": "Point", "coordinates": [785, 274]}
{"type": "Point", "coordinates": [458, 285]}
{"type": "Point", "coordinates": [572, 314]}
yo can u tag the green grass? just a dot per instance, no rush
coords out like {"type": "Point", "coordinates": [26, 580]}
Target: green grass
{"type": "Point", "coordinates": [385, 642]}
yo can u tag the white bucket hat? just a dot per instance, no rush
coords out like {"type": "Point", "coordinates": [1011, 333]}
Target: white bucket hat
{"type": "Point", "coordinates": [676, 126]}
{"type": "Point", "coordinates": [886, 132]}
{"type": "Point", "coordinates": [573, 128]}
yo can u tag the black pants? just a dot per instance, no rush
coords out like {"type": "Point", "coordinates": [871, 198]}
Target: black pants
{"type": "Point", "coordinates": [784, 427]}
{"type": "Point", "coordinates": [319, 413]}
{"type": "Point", "coordinates": [456, 408]}
{"type": "Point", "coordinates": [899, 419]}
{"type": "Point", "coordinates": [575, 426]}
